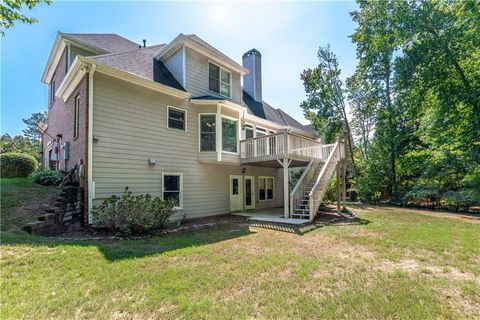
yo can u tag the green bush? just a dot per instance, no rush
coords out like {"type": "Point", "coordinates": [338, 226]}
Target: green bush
{"type": "Point", "coordinates": [460, 199]}
{"type": "Point", "coordinates": [128, 214]}
{"type": "Point", "coordinates": [47, 177]}
{"type": "Point", "coordinates": [17, 165]}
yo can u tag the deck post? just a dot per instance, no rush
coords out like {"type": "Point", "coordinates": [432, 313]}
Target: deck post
{"type": "Point", "coordinates": [344, 187]}
{"type": "Point", "coordinates": [338, 187]}
{"type": "Point", "coordinates": [286, 206]}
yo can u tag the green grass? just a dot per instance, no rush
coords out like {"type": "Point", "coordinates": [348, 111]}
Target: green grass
{"type": "Point", "coordinates": [398, 264]}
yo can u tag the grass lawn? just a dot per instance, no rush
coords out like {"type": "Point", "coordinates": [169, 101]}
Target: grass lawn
{"type": "Point", "coordinates": [398, 264]}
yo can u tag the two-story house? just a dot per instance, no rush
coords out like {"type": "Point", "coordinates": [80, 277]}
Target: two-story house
{"type": "Point", "coordinates": [174, 120]}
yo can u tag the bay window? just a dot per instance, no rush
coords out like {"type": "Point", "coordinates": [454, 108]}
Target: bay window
{"type": "Point", "coordinates": [207, 132]}
{"type": "Point", "coordinates": [229, 135]}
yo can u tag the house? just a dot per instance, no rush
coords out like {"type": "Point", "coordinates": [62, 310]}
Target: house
{"type": "Point", "coordinates": [174, 120]}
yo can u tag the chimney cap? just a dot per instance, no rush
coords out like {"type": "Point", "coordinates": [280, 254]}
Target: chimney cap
{"type": "Point", "coordinates": [251, 52]}
{"type": "Point", "coordinates": [144, 43]}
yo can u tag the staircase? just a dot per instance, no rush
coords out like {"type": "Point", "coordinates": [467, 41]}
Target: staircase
{"type": "Point", "coordinates": [308, 193]}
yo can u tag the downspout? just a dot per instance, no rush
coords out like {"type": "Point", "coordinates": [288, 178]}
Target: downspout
{"type": "Point", "coordinates": [91, 187]}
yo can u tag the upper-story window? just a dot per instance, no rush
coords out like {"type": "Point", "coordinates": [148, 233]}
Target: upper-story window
{"type": "Point", "coordinates": [219, 80]}
{"type": "Point", "coordinates": [52, 89]}
{"type": "Point", "coordinates": [177, 119]}
{"type": "Point", "coordinates": [76, 117]}
{"type": "Point", "coordinates": [249, 133]}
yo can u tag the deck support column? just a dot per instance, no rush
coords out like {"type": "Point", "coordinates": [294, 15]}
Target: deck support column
{"type": "Point", "coordinates": [344, 187]}
{"type": "Point", "coordinates": [338, 187]}
{"type": "Point", "coordinates": [286, 192]}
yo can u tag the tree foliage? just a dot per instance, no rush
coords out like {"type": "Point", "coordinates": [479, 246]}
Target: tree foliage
{"type": "Point", "coordinates": [32, 125]}
{"type": "Point", "coordinates": [325, 103]}
{"type": "Point", "coordinates": [415, 102]}
{"type": "Point", "coordinates": [11, 12]}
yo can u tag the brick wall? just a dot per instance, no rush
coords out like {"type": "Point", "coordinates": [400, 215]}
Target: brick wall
{"type": "Point", "coordinates": [61, 119]}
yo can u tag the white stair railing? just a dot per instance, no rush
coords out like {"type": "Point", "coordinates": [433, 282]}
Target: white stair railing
{"type": "Point", "coordinates": [320, 186]}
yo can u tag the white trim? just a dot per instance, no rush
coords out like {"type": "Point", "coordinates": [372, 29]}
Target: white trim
{"type": "Point", "coordinates": [199, 47]}
{"type": "Point", "coordinates": [266, 194]}
{"type": "Point", "coordinates": [184, 66]}
{"type": "Point", "coordinates": [91, 183]}
{"type": "Point", "coordinates": [72, 78]}
{"type": "Point", "coordinates": [179, 109]}
{"type": "Point", "coordinates": [180, 194]}
{"type": "Point", "coordinates": [218, 132]}
{"type": "Point", "coordinates": [220, 68]}
{"type": "Point", "coordinates": [200, 131]}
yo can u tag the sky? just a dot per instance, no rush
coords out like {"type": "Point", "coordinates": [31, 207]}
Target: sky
{"type": "Point", "coordinates": [287, 34]}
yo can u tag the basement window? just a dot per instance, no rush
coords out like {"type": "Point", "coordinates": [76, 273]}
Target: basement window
{"type": "Point", "coordinates": [266, 188]}
{"type": "Point", "coordinates": [173, 188]}
{"type": "Point", "coordinates": [219, 80]}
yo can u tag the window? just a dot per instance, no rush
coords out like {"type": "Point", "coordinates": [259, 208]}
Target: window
{"type": "Point", "coordinates": [177, 119]}
{"type": "Point", "coordinates": [219, 80]}
{"type": "Point", "coordinates": [76, 117]}
{"type": "Point", "coordinates": [173, 188]}
{"type": "Point", "coordinates": [266, 188]}
{"type": "Point", "coordinates": [229, 135]}
{"type": "Point", "coordinates": [249, 134]}
{"type": "Point", "coordinates": [52, 90]}
{"type": "Point", "coordinates": [207, 132]}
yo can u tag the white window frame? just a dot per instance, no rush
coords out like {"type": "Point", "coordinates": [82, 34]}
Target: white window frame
{"type": "Point", "coordinates": [53, 87]}
{"type": "Point", "coordinates": [219, 79]}
{"type": "Point", "coordinates": [185, 122]}
{"type": "Point", "coordinates": [238, 136]}
{"type": "Point", "coordinates": [180, 194]}
{"type": "Point", "coordinates": [76, 117]}
{"type": "Point", "coordinates": [200, 132]}
{"type": "Point", "coordinates": [245, 130]}
{"type": "Point", "coordinates": [266, 194]}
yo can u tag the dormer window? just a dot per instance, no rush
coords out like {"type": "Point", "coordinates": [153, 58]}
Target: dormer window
{"type": "Point", "coordinates": [219, 80]}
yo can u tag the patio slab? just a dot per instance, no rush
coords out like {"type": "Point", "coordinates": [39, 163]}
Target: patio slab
{"type": "Point", "coordinates": [270, 215]}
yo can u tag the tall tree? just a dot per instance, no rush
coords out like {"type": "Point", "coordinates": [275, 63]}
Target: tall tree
{"type": "Point", "coordinates": [11, 11]}
{"type": "Point", "coordinates": [325, 103]}
{"type": "Point", "coordinates": [32, 125]}
{"type": "Point", "coordinates": [376, 40]}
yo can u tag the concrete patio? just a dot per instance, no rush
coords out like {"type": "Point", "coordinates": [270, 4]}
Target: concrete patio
{"type": "Point", "coordinates": [270, 215]}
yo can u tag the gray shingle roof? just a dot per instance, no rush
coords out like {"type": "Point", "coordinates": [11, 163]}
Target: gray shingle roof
{"type": "Point", "coordinates": [265, 111]}
{"type": "Point", "coordinates": [109, 42]}
{"type": "Point", "coordinates": [141, 63]}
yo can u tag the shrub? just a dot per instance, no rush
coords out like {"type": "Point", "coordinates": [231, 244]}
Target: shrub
{"type": "Point", "coordinates": [128, 214]}
{"type": "Point", "coordinates": [17, 165]}
{"type": "Point", "coordinates": [47, 177]}
{"type": "Point", "coordinates": [460, 199]}
{"type": "Point", "coordinates": [423, 195]}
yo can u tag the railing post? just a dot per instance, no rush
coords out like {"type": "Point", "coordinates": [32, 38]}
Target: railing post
{"type": "Point", "coordinates": [285, 143]}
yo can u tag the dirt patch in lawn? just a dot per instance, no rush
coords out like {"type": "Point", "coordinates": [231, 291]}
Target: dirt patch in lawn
{"type": "Point", "coordinates": [413, 266]}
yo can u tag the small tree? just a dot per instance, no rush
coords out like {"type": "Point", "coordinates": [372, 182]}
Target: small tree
{"type": "Point", "coordinates": [32, 125]}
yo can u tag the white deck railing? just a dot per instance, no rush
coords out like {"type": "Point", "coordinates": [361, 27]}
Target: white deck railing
{"type": "Point", "coordinates": [282, 145]}
{"type": "Point", "coordinates": [320, 186]}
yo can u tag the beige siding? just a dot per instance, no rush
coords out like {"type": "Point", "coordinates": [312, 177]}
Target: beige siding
{"type": "Point", "coordinates": [174, 64]}
{"type": "Point", "coordinates": [197, 77]}
{"type": "Point", "coordinates": [130, 123]}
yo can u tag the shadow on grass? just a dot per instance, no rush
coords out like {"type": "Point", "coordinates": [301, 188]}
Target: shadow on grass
{"type": "Point", "coordinates": [324, 220]}
{"type": "Point", "coordinates": [114, 250]}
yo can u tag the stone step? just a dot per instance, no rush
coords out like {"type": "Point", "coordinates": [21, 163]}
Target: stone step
{"type": "Point", "coordinates": [47, 217]}
{"type": "Point", "coordinates": [32, 226]}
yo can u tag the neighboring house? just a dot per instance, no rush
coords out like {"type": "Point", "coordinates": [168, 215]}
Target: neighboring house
{"type": "Point", "coordinates": [173, 120]}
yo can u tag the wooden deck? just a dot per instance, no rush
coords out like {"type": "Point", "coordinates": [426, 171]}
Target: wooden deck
{"type": "Point", "coordinates": [266, 150]}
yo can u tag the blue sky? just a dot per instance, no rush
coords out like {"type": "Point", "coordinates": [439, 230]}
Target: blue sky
{"type": "Point", "coordinates": [287, 34]}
